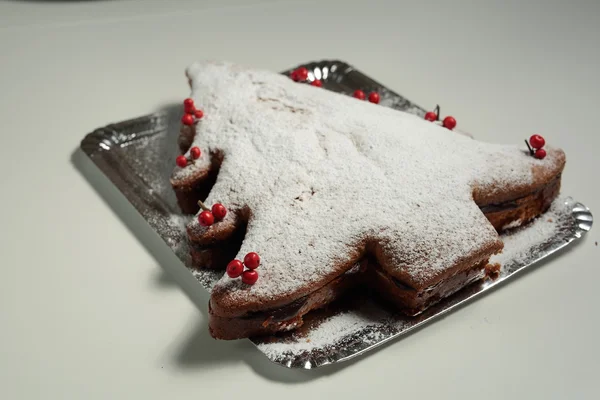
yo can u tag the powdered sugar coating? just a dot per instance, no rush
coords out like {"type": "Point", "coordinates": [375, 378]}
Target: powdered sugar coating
{"type": "Point", "coordinates": [329, 333]}
{"type": "Point", "coordinates": [325, 175]}
{"type": "Point", "coordinates": [518, 244]}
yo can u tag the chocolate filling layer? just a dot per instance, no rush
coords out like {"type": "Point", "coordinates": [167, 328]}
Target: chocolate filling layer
{"type": "Point", "coordinates": [292, 309]}
{"type": "Point", "coordinates": [280, 314]}
{"type": "Point", "coordinates": [514, 203]}
{"type": "Point", "coordinates": [495, 207]}
{"type": "Point", "coordinates": [401, 285]}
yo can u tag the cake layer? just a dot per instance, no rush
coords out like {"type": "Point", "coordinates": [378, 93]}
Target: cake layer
{"type": "Point", "coordinates": [287, 317]}
{"type": "Point", "coordinates": [290, 317]}
{"type": "Point", "coordinates": [412, 301]}
{"type": "Point", "coordinates": [517, 212]}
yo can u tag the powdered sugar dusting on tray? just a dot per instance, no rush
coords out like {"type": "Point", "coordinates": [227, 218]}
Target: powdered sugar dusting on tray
{"type": "Point", "coordinates": [326, 334]}
{"type": "Point", "coordinates": [172, 227]}
{"type": "Point", "coordinates": [518, 244]}
{"type": "Point", "coordinates": [330, 334]}
{"type": "Point", "coordinates": [324, 174]}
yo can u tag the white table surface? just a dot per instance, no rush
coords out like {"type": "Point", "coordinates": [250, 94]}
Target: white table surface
{"type": "Point", "coordinates": [88, 309]}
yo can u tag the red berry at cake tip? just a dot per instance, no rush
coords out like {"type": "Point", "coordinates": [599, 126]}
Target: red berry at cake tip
{"type": "Point", "coordinates": [294, 75]}
{"type": "Point", "coordinates": [198, 114]}
{"type": "Point", "coordinates": [537, 141]}
{"type": "Point", "coordinates": [374, 97]}
{"type": "Point", "coordinates": [540, 154]}
{"type": "Point", "coordinates": [235, 268]}
{"type": "Point", "coordinates": [252, 260]}
{"type": "Point", "coordinates": [188, 102]}
{"type": "Point", "coordinates": [302, 74]}
{"type": "Point", "coordinates": [359, 94]}
{"type": "Point", "coordinates": [189, 107]}
{"type": "Point", "coordinates": [449, 122]}
{"type": "Point", "coordinates": [187, 119]}
{"type": "Point", "coordinates": [219, 211]}
{"type": "Point", "coordinates": [195, 152]}
{"type": "Point", "coordinates": [430, 116]}
{"type": "Point", "coordinates": [317, 83]}
{"type": "Point", "coordinates": [206, 218]}
{"type": "Point", "coordinates": [181, 161]}
{"type": "Point", "coordinates": [249, 277]}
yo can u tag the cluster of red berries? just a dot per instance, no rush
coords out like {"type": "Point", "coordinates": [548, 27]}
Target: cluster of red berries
{"type": "Point", "coordinates": [192, 114]}
{"type": "Point", "coordinates": [535, 144]}
{"type": "Point", "coordinates": [301, 75]}
{"type": "Point", "coordinates": [434, 116]}
{"type": "Point", "coordinates": [182, 161]}
{"type": "Point", "coordinates": [373, 96]}
{"type": "Point", "coordinates": [208, 217]}
{"type": "Point", "coordinates": [235, 268]}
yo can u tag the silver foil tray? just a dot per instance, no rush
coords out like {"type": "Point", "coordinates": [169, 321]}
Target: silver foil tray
{"type": "Point", "coordinates": [138, 156]}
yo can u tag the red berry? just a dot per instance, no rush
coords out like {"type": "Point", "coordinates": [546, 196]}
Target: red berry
{"type": "Point", "coordinates": [540, 153]}
{"type": "Point", "coordinates": [219, 211]}
{"type": "Point", "coordinates": [198, 114]}
{"type": "Point", "coordinates": [430, 116]}
{"type": "Point", "coordinates": [294, 75]}
{"type": "Point", "coordinates": [181, 161]}
{"type": "Point", "coordinates": [301, 74]}
{"type": "Point", "coordinates": [252, 260]}
{"type": "Point", "coordinates": [206, 218]}
{"type": "Point", "coordinates": [188, 104]}
{"type": "Point", "coordinates": [250, 277]}
{"type": "Point", "coordinates": [235, 268]}
{"type": "Point", "coordinates": [359, 94]}
{"type": "Point", "coordinates": [195, 152]}
{"type": "Point", "coordinates": [317, 83]}
{"type": "Point", "coordinates": [449, 122]}
{"type": "Point", "coordinates": [537, 142]}
{"type": "Point", "coordinates": [187, 119]}
{"type": "Point", "coordinates": [374, 97]}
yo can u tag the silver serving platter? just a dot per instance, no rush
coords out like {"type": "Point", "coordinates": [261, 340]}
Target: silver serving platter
{"type": "Point", "coordinates": [138, 156]}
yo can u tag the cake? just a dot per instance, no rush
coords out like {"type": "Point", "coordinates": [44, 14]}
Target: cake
{"type": "Point", "coordinates": [335, 193]}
